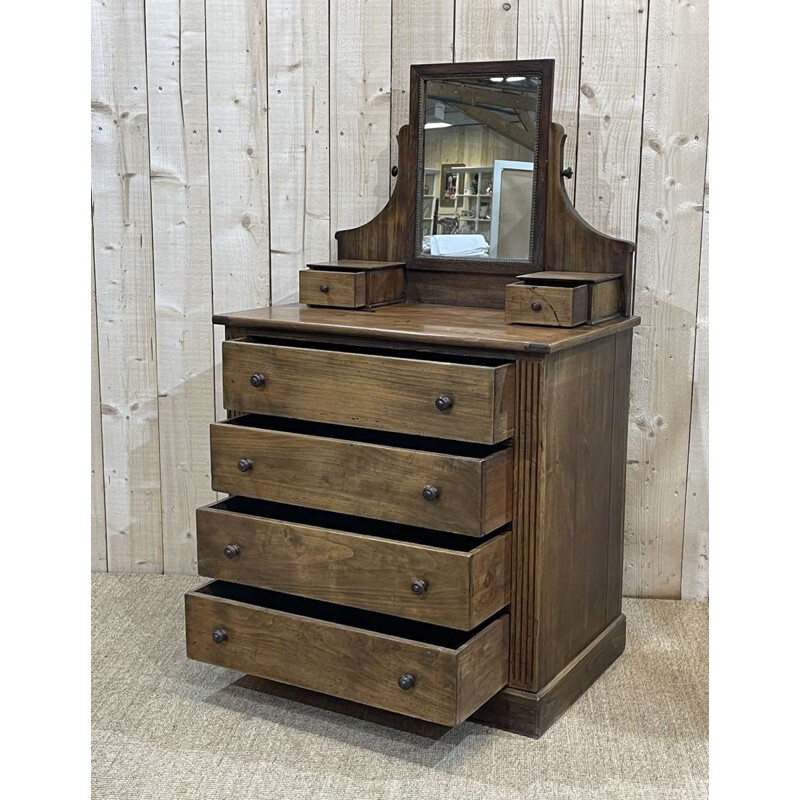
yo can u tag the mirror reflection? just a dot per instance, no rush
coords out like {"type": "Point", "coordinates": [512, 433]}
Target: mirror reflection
{"type": "Point", "coordinates": [480, 139]}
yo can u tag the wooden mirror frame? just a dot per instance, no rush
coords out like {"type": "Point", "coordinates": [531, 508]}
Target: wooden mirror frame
{"type": "Point", "coordinates": [541, 68]}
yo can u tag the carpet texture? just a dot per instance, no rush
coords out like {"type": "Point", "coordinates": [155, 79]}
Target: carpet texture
{"type": "Point", "coordinates": [168, 728]}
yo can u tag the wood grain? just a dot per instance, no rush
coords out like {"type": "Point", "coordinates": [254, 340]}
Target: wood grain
{"type": "Point", "coordinates": [423, 324]}
{"type": "Point", "coordinates": [299, 140]}
{"type": "Point", "coordinates": [610, 114]}
{"type": "Point", "coordinates": [450, 682]}
{"type": "Point", "coordinates": [670, 234]}
{"type": "Point", "coordinates": [694, 573]}
{"type": "Point", "coordinates": [552, 29]}
{"type": "Point", "coordinates": [123, 259]}
{"type": "Point", "coordinates": [485, 30]}
{"type": "Point", "coordinates": [349, 566]}
{"type": "Point", "coordinates": [361, 80]}
{"type": "Point", "coordinates": [322, 287]}
{"type": "Point", "coordinates": [381, 392]}
{"type": "Point", "coordinates": [238, 158]}
{"type": "Point", "coordinates": [365, 479]}
{"type": "Point", "coordinates": [176, 92]}
{"type": "Point", "coordinates": [561, 306]}
{"type": "Point", "coordinates": [422, 33]}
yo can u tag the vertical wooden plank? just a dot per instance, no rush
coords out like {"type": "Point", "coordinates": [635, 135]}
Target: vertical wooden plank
{"type": "Point", "coordinates": [123, 255]}
{"type": "Point", "coordinates": [694, 574]}
{"type": "Point", "coordinates": [610, 114]}
{"type": "Point", "coordinates": [238, 159]}
{"type": "Point", "coordinates": [297, 32]}
{"type": "Point", "coordinates": [670, 222]}
{"type": "Point", "coordinates": [552, 29]}
{"type": "Point", "coordinates": [176, 72]}
{"type": "Point", "coordinates": [486, 30]}
{"type": "Point", "coordinates": [99, 556]}
{"type": "Point", "coordinates": [361, 77]}
{"type": "Point", "coordinates": [422, 33]}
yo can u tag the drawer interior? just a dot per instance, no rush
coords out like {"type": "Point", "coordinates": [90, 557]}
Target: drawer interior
{"type": "Point", "coordinates": [342, 615]}
{"type": "Point", "coordinates": [365, 436]}
{"type": "Point", "coordinates": [478, 361]}
{"type": "Point", "coordinates": [299, 515]}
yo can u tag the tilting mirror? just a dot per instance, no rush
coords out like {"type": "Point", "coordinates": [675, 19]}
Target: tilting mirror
{"type": "Point", "coordinates": [479, 139]}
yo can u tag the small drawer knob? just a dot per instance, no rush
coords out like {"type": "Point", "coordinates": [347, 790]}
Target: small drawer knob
{"type": "Point", "coordinates": [244, 464]}
{"type": "Point", "coordinates": [257, 380]}
{"type": "Point", "coordinates": [430, 492]}
{"type": "Point", "coordinates": [419, 586]}
{"type": "Point", "coordinates": [536, 305]}
{"type": "Point", "coordinates": [567, 172]}
{"type": "Point", "coordinates": [220, 635]}
{"type": "Point", "coordinates": [324, 288]}
{"type": "Point", "coordinates": [231, 550]}
{"type": "Point", "coordinates": [443, 402]}
{"type": "Point", "coordinates": [406, 682]}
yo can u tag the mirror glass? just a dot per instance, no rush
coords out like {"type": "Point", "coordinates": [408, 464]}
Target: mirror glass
{"type": "Point", "coordinates": [480, 141]}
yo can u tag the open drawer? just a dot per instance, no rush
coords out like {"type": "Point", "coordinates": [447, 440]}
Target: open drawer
{"type": "Point", "coordinates": [414, 480]}
{"type": "Point", "coordinates": [449, 580]}
{"type": "Point", "coordinates": [412, 668]}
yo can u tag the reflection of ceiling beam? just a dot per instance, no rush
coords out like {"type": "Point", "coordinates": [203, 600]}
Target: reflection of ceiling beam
{"type": "Point", "coordinates": [496, 122]}
{"type": "Point", "coordinates": [472, 94]}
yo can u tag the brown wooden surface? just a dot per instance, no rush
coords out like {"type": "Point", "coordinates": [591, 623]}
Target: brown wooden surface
{"type": "Point", "coordinates": [343, 660]}
{"type": "Point", "coordinates": [532, 713]}
{"type": "Point", "coordinates": [386, 286]}
{"type": "Point", "coordinates": [470, 289]}
{"type": "Point", "coordinates": [607, 299]}
{"type": "Point", "coordinates": [617, 469]}
{"type": "Point", "coordinates": [562, 306]}
{"type": "Point", "coordinates": [356, 265]}
{"type": "Point", "coordinates": [344, 289]}
{"type": "Point", "coordinates": [545, 277]}
{"type": "Point", "coordinates": [574, 493]}
{"type": "Point", "coordinates": [387, 237]}
{"type": "Point", "coordinates": [370, 571]}
{"type": "Point", "coordinates": [570, 243]}
{"type": "Point", "coordinates": [371, 391]}
{"type": "Point", "coordinates": [523, 554]}
{"type": "Point", "coordinates": [423, 324]}
{"type": "Point", "coordinates": [382, 481]}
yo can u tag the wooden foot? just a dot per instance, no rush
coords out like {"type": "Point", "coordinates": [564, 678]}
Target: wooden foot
{"type": "Point", "coordinates": [532, 713]}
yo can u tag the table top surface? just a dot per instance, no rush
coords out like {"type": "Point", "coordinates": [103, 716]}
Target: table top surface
{"type": "Point", "coordinates": [423, 323]}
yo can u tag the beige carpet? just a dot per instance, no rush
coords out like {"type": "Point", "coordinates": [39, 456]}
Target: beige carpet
{"type": "Point", "coordinates": [165, 727]}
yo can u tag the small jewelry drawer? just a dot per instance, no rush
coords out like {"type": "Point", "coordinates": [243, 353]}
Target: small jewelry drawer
{"type": "Point", "coordinates": [414, 480]}
{"type": "Point", "coordinates": [556, 306]}
{"type": "Point", "coordinates": [423, 671]}
{"type": "Point", "coordinates": [468, 399]}
{"type": "Point", "coordinates": [329, 288]}
{"type": "Point", "coordinates": [419, 574]}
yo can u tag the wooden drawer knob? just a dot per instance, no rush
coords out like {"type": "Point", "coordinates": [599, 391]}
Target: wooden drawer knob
{"type": "Point", "coordinates": [257, 380]}
{"type": "Point", "coordinates": [231, 550]}
{"type": "Point", "coordinates": [244, 464]}
{"type": "Point", "coordinates": [219, 635]}
{"type": "Point", "coordinates": [430, 493]}
{"type": "Point", "coordinates": [443, 402]}
{"type": "Point", "coordinates": [536, 305]}
{"type": "Point", "coordinates": [324, 288]}
{"type": "Point", "coordinates": [405, 682]}
{"type": "Point", "coordinates": [419, 586]}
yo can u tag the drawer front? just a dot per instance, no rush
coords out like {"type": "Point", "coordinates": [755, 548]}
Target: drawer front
{"type": "Point", "coordinates": [457, 589]}
{"type": "Point", "coordinates": [320, 287]}
{"type": "Point", "coordinates": [432, 682]}
{"type": "Point", "coordinates": [467, 402]}
{"type": "Point", "coordinates": [558, 306]}
{"type": "Point", "coordinates": [425, 489]}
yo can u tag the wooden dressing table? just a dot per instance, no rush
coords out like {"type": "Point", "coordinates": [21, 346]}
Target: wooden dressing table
{"type": "Point", "coordinates": [426, 503]}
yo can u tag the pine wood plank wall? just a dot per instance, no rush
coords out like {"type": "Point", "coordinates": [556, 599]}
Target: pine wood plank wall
{"type": "Point", "coordinates": [232, 138]}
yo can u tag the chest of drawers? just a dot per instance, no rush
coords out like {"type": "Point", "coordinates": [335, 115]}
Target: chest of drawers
{"type": "Point", "coordinates": [424, 516]}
